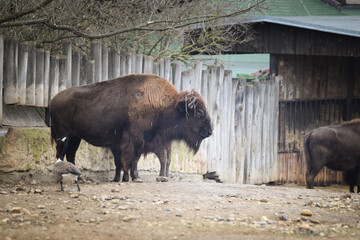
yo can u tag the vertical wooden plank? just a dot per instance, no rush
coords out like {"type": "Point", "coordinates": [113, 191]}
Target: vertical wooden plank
{"type": "Point", "coordinates": [10, 71]}
{"type": "Point", "coordinates": [122, 64]}
{"type": "Point", "coordinates": [211, 101]}
{"type": "Point", "coordinates": [204, 85]}
{"type": "Point", "coordinates": [104, 63]}
{"type": "Point", "coordinates": [240, 130]}
{"type": "Point", "coordinates": [96, 54]}
{"type": "Point", "coordinates": [39, 89]}
{"type": "Point", "coordinates": [167, 68]}
{"type": "Point", "coordinates": [46, 77]}
{"type": "Point", "coordinates": [161, 67]}
{"type": "Point", "coordinates": [350, 78]}
{"type": "Point", "coordinates": [275, 113]}
{"type": "Point", "coordinates": [197, 76]}
{"type": "Point", "coordinates": [91, 71]}
{"type": "Point", "coordinates": [31, 75]}
{"type": "Point", "coordinates": [83, 70]}
{"type": "Point", "coordinates": [228, 107]}
{"type": "Point", "coordinates": [110, 65]}
{"type": "Point", "coordinates": [139, 63]}
{"type": "Point", "coordinates": [115, 64]}
{"type": "Point", "coordinates": [248, 123]}
{"type": "Point", "coordinates": [54, 77]}
{"type": "Point", "coordinates": [62, 73]}
{"type": "Point", "coordinates": [1, 77]}
{"type": "Point", "coordinates": [265, 132]}
{"type": "Point", "coordinates": [205, 151]}
{"type": "Point", "coordinates": [132, 61]}
{"type": "Point", "coordinates": [148, 64]}
{"type": "Point", "coordinates": [23, 62]}
{"type": "Point", "coordinates": [128, 63]}
{"type": "Point", "coordinates": [75, 68]}
{"type": "Point", "coordinates": [219, 79]}
{"type": "Point", "coordinates": [176, 80]}
{"type": "Point", "coordinates": [256, 133]}
{"type": "Point", "coordinates": [186, 80]}
{"type": "Point", "coordinates": [68, 53]}
{"type": "Point", "coordinates": [156, 68]}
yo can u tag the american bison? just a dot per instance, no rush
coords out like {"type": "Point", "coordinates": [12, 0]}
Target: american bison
{"type": "Point", "coordinates": [132, 115]}
{"type": "Point", "coordinates": [336, 147]}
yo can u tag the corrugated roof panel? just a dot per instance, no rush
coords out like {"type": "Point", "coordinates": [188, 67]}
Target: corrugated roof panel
{"type": "Point", "coordinates": [343, 25]}
{"type": "Point", "coordinates": [302, 8]}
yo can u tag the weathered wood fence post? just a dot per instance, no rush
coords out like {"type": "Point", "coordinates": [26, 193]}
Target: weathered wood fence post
{"type": "Point", "coordinates": [31, 75]}
{"type": "Point", "coordinates": [62, 73]}
{"type": "Point", "coordinates": [115, 65]}
{"type": "Point", "coordinates": [11, 71]}
{"type": "Point", "coordinates": [54, 77]}
{"type": "Point", "coordinates": [148, 64]}
{"type": "Point", "coordinates": [68, 56]}
{"type": "Point", "coordinates": [23, 61]}
{"type": "Point", "coordinates": [104, 63]}
{"type": "Point", "coordinates": [176, 75]}
{"type": "Point", "coordinates": [1, 77]}
{"type": "Point", "coordinates": [75, 68]}
{"type": "Point", "coordinates": [46, 78]}
{"type": "Point", "coordinates": [139, 63]}
{"type": "Point", "coordinates": [39, 81]}
{"type": "Point", "coordinates": [96, 55]}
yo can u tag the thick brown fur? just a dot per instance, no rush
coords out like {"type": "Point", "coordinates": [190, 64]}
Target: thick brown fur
{"type": "Point", "coordinates": [336, 147]}
{"type": "Point", "coordinates": [132, 115]}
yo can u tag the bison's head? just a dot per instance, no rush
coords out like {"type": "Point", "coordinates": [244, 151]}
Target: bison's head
{"type": "Point", "coordinates": [195, 123]}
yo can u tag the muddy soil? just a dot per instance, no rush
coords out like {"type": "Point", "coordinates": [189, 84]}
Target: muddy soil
{"type": "Point", "coordinates": [178, 209]}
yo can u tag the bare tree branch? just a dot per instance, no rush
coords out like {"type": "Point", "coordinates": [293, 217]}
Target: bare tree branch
{"type": "Point", "coordinates": [25, 12]}
{"type": "Point", "coordinates": [154, 27]}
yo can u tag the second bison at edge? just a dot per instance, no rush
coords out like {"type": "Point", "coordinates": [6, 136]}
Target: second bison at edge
{"type": "Point", "coordinates": [336, 147]}
{"type": "Point", "coordinates": [132, 115]}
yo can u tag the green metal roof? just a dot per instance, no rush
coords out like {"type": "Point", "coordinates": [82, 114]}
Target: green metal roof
{"type": "Point", "coordinates": [303, 8]}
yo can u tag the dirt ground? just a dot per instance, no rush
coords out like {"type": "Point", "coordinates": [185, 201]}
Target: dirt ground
{"type": "Point", "coordinates": [178, 209]}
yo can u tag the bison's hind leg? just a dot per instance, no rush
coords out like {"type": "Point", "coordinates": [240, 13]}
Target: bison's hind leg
{"type": "Point", "coordinates": [311, 174]}
{"type": "Point", "coordinates": [61, 147]}
{"type": "Point", "coordinates": [117, 160]}
{"type": "Point", "coordinates": [73, 146]}
{"type": "Point", "coordinates": [351, 178]}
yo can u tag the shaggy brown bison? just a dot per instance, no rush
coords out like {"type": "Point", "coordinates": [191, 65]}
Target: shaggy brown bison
{"type": "Point", "coordinates": [336, 147]}
{"type": "Point", "coordinates": [132, 115]}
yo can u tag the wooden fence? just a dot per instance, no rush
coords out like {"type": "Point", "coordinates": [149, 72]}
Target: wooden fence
{"type": "Point", "coordinates": [243, 148]}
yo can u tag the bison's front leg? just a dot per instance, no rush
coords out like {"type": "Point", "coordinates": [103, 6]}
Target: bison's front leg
{"type": "Point", "coordinates": [164, 156]}
{"type": "Point", "coordinates": [168, 153]}
{"type": "Point", "coordinates": [134, 172]}
{"type": "Point", "coordinates": [117, 160]}
{"type": "Point", "coordinates": [126, 176]}
{"type": "Point", "coordinates": [130, 154]}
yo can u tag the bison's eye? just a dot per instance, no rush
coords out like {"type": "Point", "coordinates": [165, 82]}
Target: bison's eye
{"type": "Point", "coordinates": [200, 113]}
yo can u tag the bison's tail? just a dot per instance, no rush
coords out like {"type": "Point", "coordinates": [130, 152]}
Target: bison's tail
{"type": "Point", "coordinates": [52, 135]}
{"type": "Point", "coordinates": [307, 147]}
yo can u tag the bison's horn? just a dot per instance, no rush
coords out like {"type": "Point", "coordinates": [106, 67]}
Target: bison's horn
{"type": "Point", "coordinates": [191, 104]}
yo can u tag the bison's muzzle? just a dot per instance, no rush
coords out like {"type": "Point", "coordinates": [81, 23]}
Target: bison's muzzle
{"type": "Point", "coordinates": [204, 133]}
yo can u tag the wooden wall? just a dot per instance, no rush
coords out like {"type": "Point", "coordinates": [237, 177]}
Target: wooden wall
{"type": "Point", "coordinates": [281, 39]}
{"type": "Point", "coordinates": [312, 77]}
{"type": "Point", "coordinates": [314, 92]}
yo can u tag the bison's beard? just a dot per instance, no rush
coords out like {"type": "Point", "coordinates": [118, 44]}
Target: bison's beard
{"type": "Point", "coordinates": [193, 144]}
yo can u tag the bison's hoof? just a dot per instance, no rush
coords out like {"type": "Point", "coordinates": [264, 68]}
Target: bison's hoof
{"type": "Point", "coordinates": [137, 180]}
{"type": "Point", "coordinates": [162, 179]}
{"type": "Point", "coordinates": [116, 179]}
